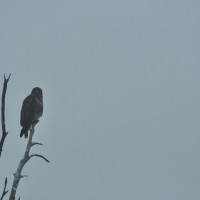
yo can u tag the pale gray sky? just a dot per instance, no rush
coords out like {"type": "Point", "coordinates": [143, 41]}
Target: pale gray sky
{"type": "Point", "coordinates": [121, 97]}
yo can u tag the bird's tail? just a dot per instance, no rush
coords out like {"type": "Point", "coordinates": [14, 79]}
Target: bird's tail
{"type": "Point", "coordinates": [24, 132]}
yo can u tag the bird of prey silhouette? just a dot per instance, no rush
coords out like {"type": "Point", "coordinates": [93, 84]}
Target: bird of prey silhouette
{"type": "Point", "coordinates": [32, 110]}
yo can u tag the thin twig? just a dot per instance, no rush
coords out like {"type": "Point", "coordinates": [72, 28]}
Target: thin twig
{"type": "Point", "coordinates": [4, 189]}
{"type": "Point", "coordinates": [4, 132]}
{"type": "Point", "coordinates": [35, 143]}
{"type": "Point", "coordinates": [22, 176]}
{"type": "Point", "coordinates": [38, 155]}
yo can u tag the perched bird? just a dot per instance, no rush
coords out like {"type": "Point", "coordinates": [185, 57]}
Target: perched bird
{"type": "Point", "coordinates": [32, 109]}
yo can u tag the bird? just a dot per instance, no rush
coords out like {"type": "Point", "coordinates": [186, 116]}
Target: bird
{"type": "Point", "coordinates": [31, 111]}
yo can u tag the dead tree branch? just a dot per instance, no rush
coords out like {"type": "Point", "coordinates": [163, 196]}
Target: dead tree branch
{"type": "Point", "coordinates": [4, 132]}
{"type": "Point", "coordinates": [23, 161]}
{"type": "Point", "coordinates": [36, 143]}
{"type": "Point", "coordinates": [38, 155]}
{"type": "Point", "coordinates": [4, 189]}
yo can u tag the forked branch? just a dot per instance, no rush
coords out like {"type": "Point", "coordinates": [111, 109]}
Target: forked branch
{"type": "Point", "coordinates": [4, 189]}
{"type": "Point", "coordinates": [23, 161]}
{"type": "Point", "coordinates": [4, 132]}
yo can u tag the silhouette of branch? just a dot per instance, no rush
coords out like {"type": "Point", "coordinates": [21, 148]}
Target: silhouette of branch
{"type": "Point", "coordinates": [4, 132]}
{"type": "Point", "coordinates": [38, 155]}
{"type": "Point", "coordinates": [23, 161]}
{"type": "Point", "coordinates": [4, 189]}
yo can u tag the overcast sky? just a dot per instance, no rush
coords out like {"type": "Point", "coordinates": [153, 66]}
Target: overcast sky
{"type": "Point", "coordinates": [120, 81]}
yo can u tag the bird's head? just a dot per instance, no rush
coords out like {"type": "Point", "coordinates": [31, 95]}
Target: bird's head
{"type": "Point", "coordinates": [37, 92]}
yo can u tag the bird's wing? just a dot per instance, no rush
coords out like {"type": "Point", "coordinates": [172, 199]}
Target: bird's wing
{"type": "Point", "coordinates": [27, 111]}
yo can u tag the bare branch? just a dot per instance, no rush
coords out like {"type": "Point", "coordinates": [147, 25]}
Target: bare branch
{"type": "Point", "coordinates": [35, 143]}
{"type": "Point", "coordinates": [4, 189]}
{"type": "Point", "coordinates": [23, 161]}
{"type": "Point", "coordinates": [4, 132]}
{"type": "Point", "coordinates": [38, 155]}
{"type": "Point", "coordinates": [22, 176]}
